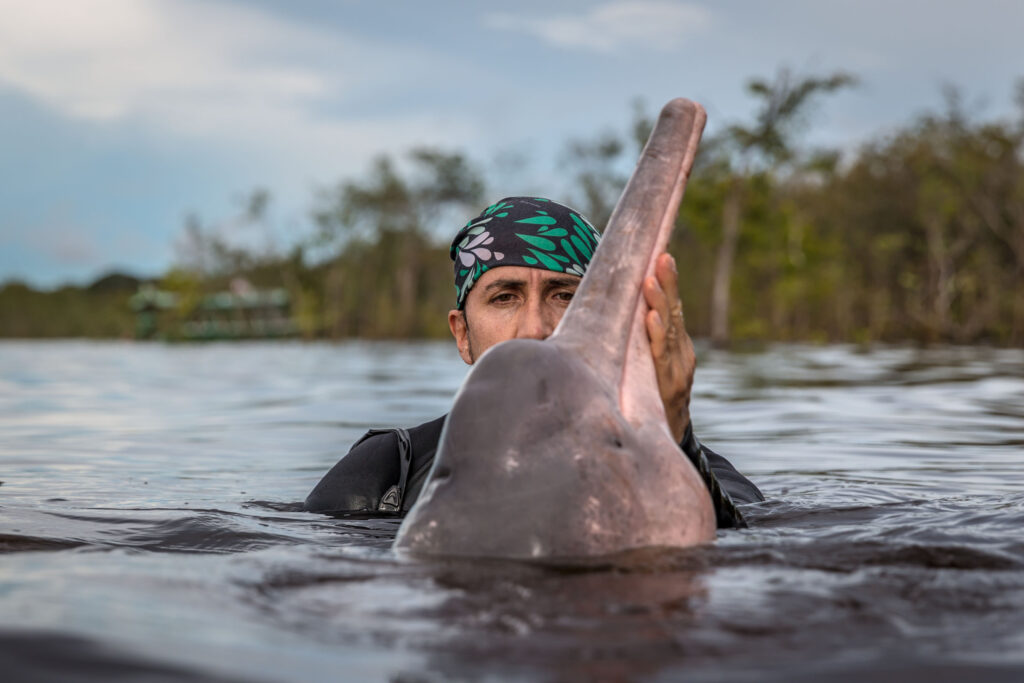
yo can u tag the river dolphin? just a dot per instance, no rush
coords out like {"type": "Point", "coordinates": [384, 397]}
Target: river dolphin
{"type": "Point", "coordinates": [560, 447]}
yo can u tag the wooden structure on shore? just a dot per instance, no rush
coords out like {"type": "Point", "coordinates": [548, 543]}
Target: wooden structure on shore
{"type": "Point", "coordinates": [240, 313]}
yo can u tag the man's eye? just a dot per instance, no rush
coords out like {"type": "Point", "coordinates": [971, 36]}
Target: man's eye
{"type": "Point", "coordinates": [502, 298]}
{"type": "Point", "coordinates": [565, 296]}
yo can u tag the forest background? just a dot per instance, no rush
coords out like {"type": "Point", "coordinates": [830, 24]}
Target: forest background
{"type": "Point", "coordinates": [915, 236]}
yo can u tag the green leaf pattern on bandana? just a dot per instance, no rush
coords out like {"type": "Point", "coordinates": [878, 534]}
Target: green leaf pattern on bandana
{"type": "Point", "coordinates": [570, 255]}
{"type": "Point", "coordinates": [518, 231]}
{"type": "Point", "coordinates": [493, 210]}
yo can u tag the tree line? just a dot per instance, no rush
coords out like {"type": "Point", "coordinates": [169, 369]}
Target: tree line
{"type": "Point", "coordinates": [916, 236]}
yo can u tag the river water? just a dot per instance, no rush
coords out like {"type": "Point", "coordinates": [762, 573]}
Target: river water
{"type": "Point", "coordinates": [148, 526]}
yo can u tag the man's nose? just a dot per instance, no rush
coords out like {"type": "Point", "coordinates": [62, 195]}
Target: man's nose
{"type": "Point", "coordinates": [535, 324]}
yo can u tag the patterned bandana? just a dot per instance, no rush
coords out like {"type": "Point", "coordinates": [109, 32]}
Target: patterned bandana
{"type": "Point", "coordinates": [522, 231]}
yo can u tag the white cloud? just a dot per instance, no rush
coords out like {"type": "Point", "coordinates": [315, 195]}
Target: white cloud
{"type": "Point", "coordinates": [107, 59]}
{"type": "Point", "coordinates": [227, 74]}
{"type": "Point", "coordinates": [652, 24]}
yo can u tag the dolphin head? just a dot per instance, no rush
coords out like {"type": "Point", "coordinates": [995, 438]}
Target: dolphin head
{"type": "Point", "coordinates": [560, 447]}
{"type": "Point", "coordinates": [545, 443]}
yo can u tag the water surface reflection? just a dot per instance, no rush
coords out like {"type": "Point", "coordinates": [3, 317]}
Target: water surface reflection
{"type": "Point", "coordinates": [148, 525]}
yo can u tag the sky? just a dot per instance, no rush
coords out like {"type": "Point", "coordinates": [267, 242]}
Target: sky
{"type": "Point", "coordinates": [120, 118]}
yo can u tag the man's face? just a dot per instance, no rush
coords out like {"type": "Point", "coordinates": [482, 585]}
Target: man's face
{"type": "Point", "coordinates": [510, 302]}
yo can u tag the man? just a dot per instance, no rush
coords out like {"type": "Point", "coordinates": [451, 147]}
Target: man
{"type": "Point", "coordinates": [517, 266]}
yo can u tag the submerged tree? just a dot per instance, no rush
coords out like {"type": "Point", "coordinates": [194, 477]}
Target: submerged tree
{"type": "Point", "coordinates": [753, 151]}
{"type": "Point", "coordinates": [930, 221]}
{"type": "Point", "coordinates": [386, 279]}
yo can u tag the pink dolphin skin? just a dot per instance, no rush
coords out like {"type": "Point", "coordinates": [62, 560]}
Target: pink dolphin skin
{"type": "Point", "coordinates": [560, 448]}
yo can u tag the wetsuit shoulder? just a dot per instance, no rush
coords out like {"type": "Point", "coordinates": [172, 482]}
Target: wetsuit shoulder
{"type": "Point", "coordinates": [356, 482]}
{"type": "Point", "coordinates": [739, 488]}
{"type": "Point", "coordinates": [425, 440]}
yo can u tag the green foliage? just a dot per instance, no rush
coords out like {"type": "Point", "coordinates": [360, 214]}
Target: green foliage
{"type": "Point", "coordinates": [931, 220]}
{"type": "Point", "coordinates": [918, 236]}
{"type": "Point", "coordinates": [392, 277]}
{"type": "Point", "coordinates": [782, 112]}
{"type": "Point", "coordinates": [755, 155]}
{"type": "Point", "coordinates": [65, 312]}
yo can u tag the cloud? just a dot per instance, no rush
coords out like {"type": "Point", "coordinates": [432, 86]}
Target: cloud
{"type": "Point", "coordinates": [63, 243]}
{"type": "Point", "coordinates": [651, 24]}
{"type": "Point", "coordinates": [107, 59]}
{"type": "Point", "coordinates": [211, 71]}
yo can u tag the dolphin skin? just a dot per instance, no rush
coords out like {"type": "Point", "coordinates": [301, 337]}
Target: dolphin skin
{"type": "Point", "coordinates": [561, 448]}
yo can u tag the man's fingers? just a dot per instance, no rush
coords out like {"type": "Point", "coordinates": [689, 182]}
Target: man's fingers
{"type": "Point", "coordinates": [662, 296]}
{"type": "Point", "coordinates": [656, 332]}
{"type": "Point", "coordinates": [657, 298]}
{"type": "Point", "coordinates": [671, 348]}
{"type": "Point", "coordinates": [665, 269]}
{"type": "Point", "coordinates": [668, 280]}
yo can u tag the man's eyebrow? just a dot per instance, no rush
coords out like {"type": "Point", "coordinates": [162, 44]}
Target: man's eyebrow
{"type": "Point", "coordinates": [571, 281]}
{"type": "Point", "coordinates": [507, 282]}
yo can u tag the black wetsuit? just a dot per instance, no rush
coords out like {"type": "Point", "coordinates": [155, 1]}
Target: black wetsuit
{"type": "Point", "coordinates": [370, 480]}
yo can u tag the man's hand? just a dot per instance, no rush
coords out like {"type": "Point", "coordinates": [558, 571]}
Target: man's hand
{"type": "Point", "coordinates": [671, 347]}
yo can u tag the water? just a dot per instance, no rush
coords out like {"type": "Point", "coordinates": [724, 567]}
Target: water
{"type": "Point", "coordinates": [147, 526]}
